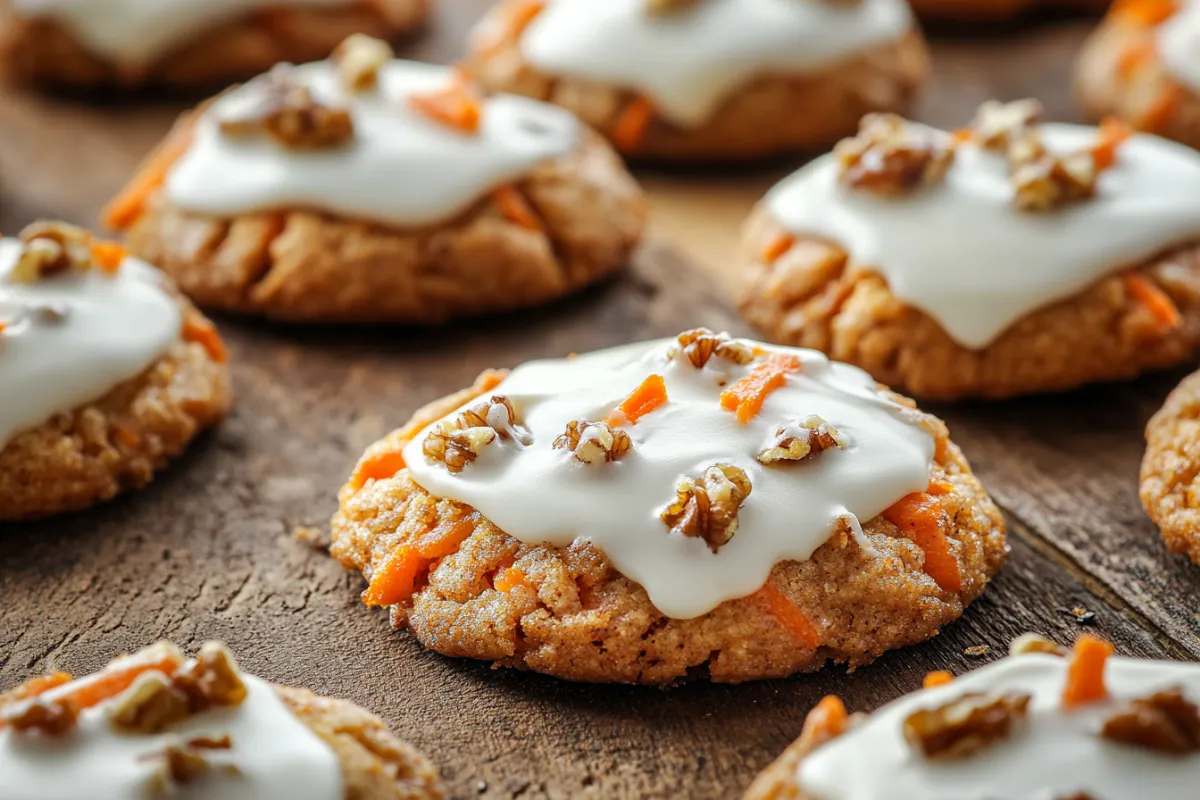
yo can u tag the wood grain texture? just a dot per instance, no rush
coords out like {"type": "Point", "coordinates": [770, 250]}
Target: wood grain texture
{"type": "Point", "coordinates": [207, 552]}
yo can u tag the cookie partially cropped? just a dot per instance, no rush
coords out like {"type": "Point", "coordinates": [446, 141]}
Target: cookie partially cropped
{"type": "Point", "coordinates": [995, 10]}
{"type": "Point", "coordinates": [371, 189]}
{"type": "Point", "coordinates": [706, 79]}
{"type": "Point", "coordinates": [1042, 723]}
{"type": "Point", "coordinates": [157, 724]}
{"type": "Point", "coordinates": [106, 372]}
{"type": "Point", "coordinates": [1143, 65]}
{"type": "Point", "coordinates": [1008, 258]}
{"type": "Point", "coordinates": [1170, 469]}
{"type": "Point", "coordinates": [184, 43]}
{"type": "Point", "coordinates": [694, 507]}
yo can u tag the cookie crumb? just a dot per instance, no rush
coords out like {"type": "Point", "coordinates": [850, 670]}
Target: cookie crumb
{"type": "Point", "coordinates": [1080, 614]}
{"type": "Point", "coordinates": [977, 651]}
{"type": "Point", "coordinates": [316, 538]}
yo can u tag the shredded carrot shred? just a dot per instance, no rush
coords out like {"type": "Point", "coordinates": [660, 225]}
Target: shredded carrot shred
{"type": "Point", "coordinates": [1135, 57]}
{"type": "Point", "coordinates": [963, 135]}
{"type": "Point", "coordinates": [108, 255]}
{"type": "Point", "coordinates": [34, 688]}
{"type": "Point", "coordinates": [919, 517]}
{"type": "Point", "coordinates": [513, 206]}
{"type": "Point", "coordinates": [1145, 12]}
{"type": "Point", "coordinates": [129, 204]}
{"type": "Point", "coordinates": [510, 579]}
{"type": "Point", "coordinates": [747, 395]}
{"type": "Point", "coordinates": [630, 129]}
{"type": "Point", "coordinates": [788, 615]}
{"type": "Point", "coordinates": [1113, 132]}
{"type": "Point", "coordinates": [116, 678]}
{"type": "Point", "coordinates": [522, 13]}
{"type": "Point", "coordinates": [126, 435]}
{"type": "Point", "coordinates": [939, 487]}
{"type": "Point", "coordinates": [778, 246]}
{"type": "Point", "coordinates": [455, 106]}
{"type": "Point", "coordinates": [1154, 299]}
{"type": "Point", "coordinates": [1085, 673]}
{"type": "Point", "coordinates": [936, 679]}
{"type": "Point", "coordinates": [396, 579]}
{"type": "Point", "coordinates": [650, 395]}
{"type": "Point", "coordinates": [377, 467]}
{"type": "Point", "coordinates": [446, 538]}
{"type": "Point", "coordinates": [3, 325]}
{"type": "Point", "coordinates": [200, 330]}
{"type": "Point", "coordinates": [1162, 110]}
{"type": "Point", "coordinates": [827, 721]}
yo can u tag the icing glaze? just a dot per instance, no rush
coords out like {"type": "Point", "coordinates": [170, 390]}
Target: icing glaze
{"type": "Point", "coordinates": [138, 31]}
{"type": "Point", "coordinates": [543, 495]}
{"type": "Point", "coordinates": [275, 754]}
{"type": "Point", "coordinates": [401, 168]}
{"type": "Point", "coordinates": [1055, 755]}
{"type": "Point", "coordinates": [112, 328]}
{"type": "Point", "coordinates": [687, 62]}
{"type": "Point", "coordinates": [1179, 45]}
{"type": "Point", "coordinates": [965, 255]}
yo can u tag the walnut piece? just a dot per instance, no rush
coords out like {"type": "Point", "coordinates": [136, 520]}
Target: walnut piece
{"type": "Point", "coordinates": [52, 248]}
{"type": "Point", "coordinates": [1165, 721]}
{"type": "Point", "coordinates": [458, 442]}
{"type": "Point", "coordinates": [287, 112]}
{"type": "Point", "coordinates": [359, 60]}
{"type": "Point", "coordinates": [186, 762]}
{"type": "Point", "coordinates": [593, 442]}
{"type": "Point", "coordinates": [211, 679]}
{"type": "Point", "coordinates": [1042, 181]}
{"type": "Point", "coordinates": [701, 344]}
{"type": "Point", "coordinates": [965, 726]}
{"type": "Point", "coordinates": [798, 441]}
{"type": "Point", "coordinates": [997, 124]}
{"type": "Point", "coordinates": [150, 705]}
{"type": "Point", "coordinates": [47, 717]}
{"type": "Point", "coordinates": [891, 156]}
{"type": "Point", "coordinates": [708, 509]}
{"type": "Point", "coordinates": [669, 6]}
{"type": "Point", "coordinates": [1028, 643]}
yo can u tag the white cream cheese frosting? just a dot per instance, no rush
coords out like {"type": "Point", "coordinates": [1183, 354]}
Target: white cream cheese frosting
{"type": "Point", "coordinates": [70, 338]}
{"type": "Point", "coordinates": [401, 168]}
{"type": "Point", "coordinates": [275, 756]}
{"type": "Point", "coordinates": [963, 253]}
{"type": "Point", "coordinates": [542, 495]}
{"type": "Point", "coordinates": [1179, 45]}
{"type": "Point", "coordinates": [688, 61]}
{"type": "Point", "coordinates": [139, 31]}
{"type": "Point", "coordinates": [1055, 754]}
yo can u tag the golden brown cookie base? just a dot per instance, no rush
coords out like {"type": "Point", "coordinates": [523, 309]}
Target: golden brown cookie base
{"type": "Point", "coordinates": [43, 52]}
{"type": "Point", "coordinates": [1169, 489]}
{"type": "Point", "coordinates": [582, 620]}
{"type": "Point", "coordinates": [773, 115]}
{"type": "Point", "coordinates": [118, 442]}
{"type": "Point", "coordinates": [1121, 74]}
{"type": "Point", "coordinates": [301, 265]}
{"type": "Point", "coordinates": [992, 10]}
{"type": "Point", "coordinates": [778, 781]}
{"type": "Point", "coordinates": [375, 764]}
{"type": "Point", "coordinates": [813, 297]}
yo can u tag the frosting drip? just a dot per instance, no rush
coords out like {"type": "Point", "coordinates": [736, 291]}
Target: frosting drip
{"type": "Point", "coordinates": [965, 255]}
{"type": "Point", "coordinates": [274, 753]}
{"type": "Point", "coordinates": [69, 339]}
{"type": "Point", "coordinates": [543, 495]}
{"type": "Point", "coordinates": [400, 168]}
{"type": "Point", "coordinates": [138, 31]}
{"type": "Point", "coordinates": [1179, 45]}
{"type": "Point", "coordinates": [687, 62]}
{"type": "Point", "coordinates": [1055, 754]}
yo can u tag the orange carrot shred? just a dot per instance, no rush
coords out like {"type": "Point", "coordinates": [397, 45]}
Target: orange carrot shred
{"type": "Point", "coordinates": [788, 615]}
{"type": "Point", "coordinates": [939, 487]}
{"type": "Point", "coordinates": [1113, 132]}
{"type": "Point", "coordinates": [936, 679]}
{"type": "Point", "coordinates": [200, 330]}
{"type": "Point", "coordinates": [395, 579]}
{"type": "Point", "coordinates": [827, 721]}
{"type": "Point", "coordinates": [125, 209]}
{"type": "Point", "coordinates": [1085, 673]}
{"type": "Point", "coordinates": [446, 538]}
{"type": "Point", "coordinates": [108, 255]}
{"type": "Point", "coordinates": [963, 135]}
{"type": "Point", "coordinates": [513, 206]}
{"type": "Point", "coordinates": [1160, 112]}
{"type": "Point", "coordinates": [126, 435]}
{"type": "Point", "coordinates": [1145, 12]}
{"type": "Point", "coordinates": [630, 129]}
{"type": "Point", "coordinates": [1154, 299]}
{"type": "Point", "coordinates": [747, 395]}
{"type": "Point", "coordinates": [377, 467]}
{"type": "Point", "coordinates": [778, 246]}
{"type": "Point", "coordinates": [34, 687]}
{"type": "Point", "coordinates": [510, 579]}
{"type": "Point", "coordinates": [455, 106]}
{"type": "Point", "coordinates": [523, 13]}
{"type": "Point", "coordinates": [647, 397]}
{"type": "Point", "coordinates": [114, 679]}
{"type": "Point", "coordinates": [919, 517]}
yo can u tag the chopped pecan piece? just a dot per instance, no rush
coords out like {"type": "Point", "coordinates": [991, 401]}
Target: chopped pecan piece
{"type": "Point", "coordinates": [1166, 721]}
{"type": "Point", "coordinates": [455, 447]}
{"type": "Point", "coordinates": [287, 112]}
{"type": "Point", "coordinates": [186, 762]}
{"type": "Point", "coordinates": [592, 442]}
{"type": "Point", "coordinates": [669, 6]}
{"type": "Point", "coordinates": [52, 248]}
{"type": "Point", "coordinates": [497, 414]}
{"type": "Point", "coordinates": [1042, 181]}
{"type": "Point", "coordinates": [150, 705]}
{"type": "Point", "coordinates": [797, 441]}
{"type": "Point", "coordinates": [47, 717]}
{"type": "Point", "coordinates": [359, 60]}
{"type": "Point", "coordinates": [211, 679]}
{"type": "Point", "coordinates": [708, 509]}
{"type": "Point", "coordinates": [891, 156]}
{"type": "Point", "coordinates": [997, 124]}
{"type": "Point", "coordinates": [965, 726]}
{"type": "Point", "coordinates": [701, 344]}
{"type": "Point", "coordinates": [1032, 643]}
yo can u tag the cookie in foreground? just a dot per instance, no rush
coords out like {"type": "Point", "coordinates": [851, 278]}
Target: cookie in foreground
{"type": "Point", "coordinates": [184, 43]}
{"type": "Point", "coordinates": [706, 79]}
{"type": "Point", "coordinates": [695, 507]}
{"type": "Point", "coordinates": [367, 188]}
{"type": "Point", "coordinates": [1041, 723]}
{"type": "Point", "coordinates": [106, 372]}
{"type": "Point", "coordinates": [157, 724]}
{"type": "Point", "coordinates": [1010, 257]}
{"type": "Point", "coordinates": [995, 10]}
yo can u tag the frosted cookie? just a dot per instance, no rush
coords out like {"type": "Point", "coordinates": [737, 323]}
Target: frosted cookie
{"type": "Point", "coordinates": [1008, 258]}
{"type": "Point", "coordinates": [706, 79]}
{"type": "Point", "coordinates": [1042, 723]}
{"type": "Point", "coordinates": [1170, 468]}
{"type": "Point", "coordinates": [366, 188]}
{"type": "Point", "coordinates": [694, 507]}
{"type": "Point", "coordinates": [156, 724]}
{"type": "Point", "coordinates": [1143, 65]}
{"type": "Point", "coordinates": [184, 43]}
{"type": "Point", "coordinates": [992, 10]}
{"type": "Point", "coordinates": [106, 372]}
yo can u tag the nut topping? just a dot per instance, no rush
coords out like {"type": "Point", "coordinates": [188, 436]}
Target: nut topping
{"type": "Point", "coordinates": [52, 248]}
{"type": "Point", "coordinates": [47, 717]}
{"type": "Point", "coordinates": [708, 509]}
{"type": "Point", "coordinates": [593, 442]}
{"type": "Point", "coordinates": [798, 441]}
{"type": "Point", "coordinates": [150, 705]}
{"type": "Point", "coordinates": [211, 679]}
{"type": "Point", "coordinates": [1166, 721]}
{"type": "Point", "coordinates": [701, 344]}
{"type": "Point", "coordinates": [1028, 643]}
{"type": "Point", "coordinates": [458, 442]}
{"type": "Point", "coordinates": [187, 762]}
{"type": "Point", "coordinates": [965, 726]}
{"type": "Point", "coordinates": [287, 112]}
{"type": "Point", "coordinates": [359, 60]}
{"type": "Point", "coordinates": [997, 124]}
{"type": "Point", "coordinates": [669, 6]}
{"type": "Point", "coordinates": [1042, 182]}
{"type": "Point", "coordinates": [891, 156]}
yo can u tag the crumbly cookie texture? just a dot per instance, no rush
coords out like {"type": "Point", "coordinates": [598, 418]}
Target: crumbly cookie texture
{"type": "Point", "coordinates": [572, 615]}
{"type": "Point", "coordinates": [303, 265]}
{"type": "Point", "coordinates": [774, 114]}
{"type": "Point", "coordinates": [990, 10]}
{"type": "Point", "coordinates": [42, 51]}
{"type": "Point", "coordinates": [1171, 468]}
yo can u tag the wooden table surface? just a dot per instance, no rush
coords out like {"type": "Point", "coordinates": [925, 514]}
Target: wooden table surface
{"type": "Point", "coordinates": [207, 552]}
